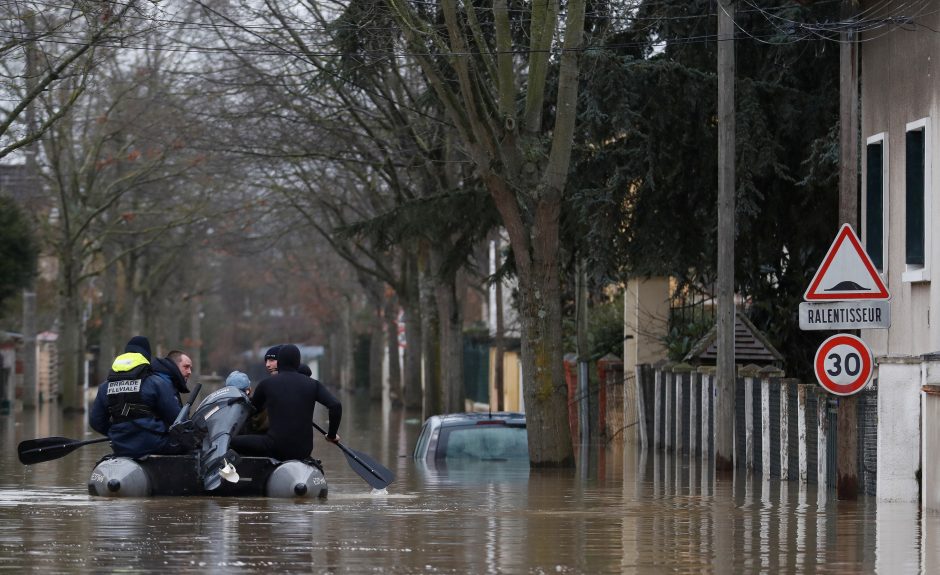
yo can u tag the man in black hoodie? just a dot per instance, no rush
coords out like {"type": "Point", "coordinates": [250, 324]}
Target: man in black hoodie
{"type": "Point", "coordinates": [289, 398]}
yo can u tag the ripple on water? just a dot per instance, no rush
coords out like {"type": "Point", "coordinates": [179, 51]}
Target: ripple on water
{"type": "Point", "coordinates": [31, 497]}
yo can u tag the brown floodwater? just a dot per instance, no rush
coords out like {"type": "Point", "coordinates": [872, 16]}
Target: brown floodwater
{"type": "Point", "coordinates": [624, 511]}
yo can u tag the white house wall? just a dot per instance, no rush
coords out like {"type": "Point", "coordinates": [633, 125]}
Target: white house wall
{"type": "Point", "coordinates": [900, 84]}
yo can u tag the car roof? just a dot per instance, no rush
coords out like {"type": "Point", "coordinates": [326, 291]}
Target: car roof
{"type": "Point", "coordinates": [449, 419]}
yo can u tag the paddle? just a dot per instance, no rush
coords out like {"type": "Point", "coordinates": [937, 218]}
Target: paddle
{"type": "Point", "coordinates": [183, 415]}
{"type": "Point", "coordinates": [49, 448]}
{"type": "Point", "coordinates": [376, 475]}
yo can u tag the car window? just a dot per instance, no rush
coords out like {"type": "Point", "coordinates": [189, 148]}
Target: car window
{"type": "Point", "coordinates": [483, 442]}
{"type": "Point", "coordinates": [425, 436]}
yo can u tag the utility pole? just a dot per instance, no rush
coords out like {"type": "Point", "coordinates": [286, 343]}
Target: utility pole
{"type": "Point", "coordinates": [724, 398]}
{"type": "Point", "coordinates": [847, 458]}
{"type": "Point", "coordinates": [30, 379]}
{"type": "Point", "coordinates": [581, 316]}
{"type": "Point", "coordinates": [499, 341]}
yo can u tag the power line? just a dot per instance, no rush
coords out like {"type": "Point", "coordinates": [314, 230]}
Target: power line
{"type": "Point", "coordinates": [652, 21]}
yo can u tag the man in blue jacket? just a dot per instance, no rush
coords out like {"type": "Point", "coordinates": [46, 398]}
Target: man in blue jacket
{"type": "Point", "coordinates": [135, 407]}
{"type": "Point", "coordinates": [175, 368]}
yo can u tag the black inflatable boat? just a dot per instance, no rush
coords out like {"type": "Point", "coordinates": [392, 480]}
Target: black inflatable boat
{"type": "Point", "coordinates": [211, 468]}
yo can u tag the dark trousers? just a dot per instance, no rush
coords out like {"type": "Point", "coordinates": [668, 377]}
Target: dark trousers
{"type": "Point", "coordinates": [253, 445]}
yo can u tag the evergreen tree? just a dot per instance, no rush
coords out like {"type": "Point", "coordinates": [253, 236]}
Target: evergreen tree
{"type": "Point", "coordinates": [18, 251]}
{"type": "Point", "coordinates": [647, 168]}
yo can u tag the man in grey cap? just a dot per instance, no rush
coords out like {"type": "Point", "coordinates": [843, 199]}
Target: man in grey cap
{"type": "Point", "coordinates": [257, 423]}
{"type": "Point", "coordinates": [240, 381]}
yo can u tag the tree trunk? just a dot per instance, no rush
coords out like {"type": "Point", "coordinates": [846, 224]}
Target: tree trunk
{"type": "Point", "coordinates": [137, 320]}
{"type": "Point", "coordinates": [108, 309]}
{"type": "Point", "coordinates": [71, 356]}
{"type": "Point", "coordinates": [194, 350]}
{"type": "Point", "coordinates": [374, 291]}
{"type": "Point", "coordinates": [170, 321]}
{"type": "Point", "coordinates": [546, 394]}
{"type": "Point", "coordinates": [107, 344]}
{"type": "Point", "coordinates": [395, 389]}
{"type": "Point", "coordinates": [431, 329]}
{"type": "Point", "coordinates": [414, 342]}
{"type": "Point", "coordinates": [376, 350]}
{"type": "Point", "coordinates": [347, 378]}
{"type": "Point", "coordinates": [450, 322]}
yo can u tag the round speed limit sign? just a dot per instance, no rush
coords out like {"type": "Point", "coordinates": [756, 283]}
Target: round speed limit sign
{"type": "Point", "coordinates": [843, 364]}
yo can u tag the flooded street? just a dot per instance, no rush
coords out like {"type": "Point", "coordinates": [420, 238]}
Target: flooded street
{"type": "Point", "coordinates": [624, 513]}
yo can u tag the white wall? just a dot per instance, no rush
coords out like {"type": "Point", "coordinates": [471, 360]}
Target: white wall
{"type": "Point", "coordinates": [900, 85]}
{"type": "Point", "coordinates": [646, 318]}
{"type": "Point", "coordinates": [899, 383]}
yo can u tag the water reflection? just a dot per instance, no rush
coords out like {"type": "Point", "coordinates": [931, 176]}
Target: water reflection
{"type": "Point", "coordinates": [626, 511]}
{"type": "Point", "coordinates": [471, 473]}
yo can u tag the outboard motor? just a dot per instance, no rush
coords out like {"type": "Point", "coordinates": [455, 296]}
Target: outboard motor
{"type": "Point", "coordinates": [219, 417]}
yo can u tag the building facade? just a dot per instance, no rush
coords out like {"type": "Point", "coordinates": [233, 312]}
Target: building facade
{"type": "Point", "coordinates": [900, 109]}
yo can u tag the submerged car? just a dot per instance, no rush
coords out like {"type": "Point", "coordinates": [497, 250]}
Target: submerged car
{"type": "Point", "coordinates": [475, 436]}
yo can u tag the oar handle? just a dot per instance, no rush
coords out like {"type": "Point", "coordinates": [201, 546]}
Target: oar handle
{"type": "Point", "coordinates": [46, 449]}
{"type": "Point", "coordinates": [183, 415]}
{"type": "Point", "coordinates": [68, 444]}
{"type": "Point", "coordinates": [318, 428]}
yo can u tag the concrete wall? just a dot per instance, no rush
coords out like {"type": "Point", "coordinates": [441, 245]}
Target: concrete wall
{"type": "Point", "coordinates": [930, 480]}
{"type": "Point", "coordinates": [646, 315]}
{"type": "Point", "coordinates": [899, 383]}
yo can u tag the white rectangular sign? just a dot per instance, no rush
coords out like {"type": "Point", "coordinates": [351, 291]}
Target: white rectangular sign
{"type": "Point", "coordinates": [863, 314]}
{"type": "Point", "coordinates": [124, 386]}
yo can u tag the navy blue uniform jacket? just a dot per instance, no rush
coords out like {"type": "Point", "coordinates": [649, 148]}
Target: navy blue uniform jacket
{"type": "Point", "coordinates": [144, 435]}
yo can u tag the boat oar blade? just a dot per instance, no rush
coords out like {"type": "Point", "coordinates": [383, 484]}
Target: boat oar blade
{"type": "Point", "coordinates": [373, 473]}
{"type": "Point", "coordinates": [48, 448]}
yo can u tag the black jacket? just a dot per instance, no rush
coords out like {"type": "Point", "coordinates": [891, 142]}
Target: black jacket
{"type": "Point", "coordinates": [290, 398]}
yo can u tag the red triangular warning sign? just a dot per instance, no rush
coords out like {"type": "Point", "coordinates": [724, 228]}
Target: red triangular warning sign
{"type": "Point", "coordinates": [846, 273]}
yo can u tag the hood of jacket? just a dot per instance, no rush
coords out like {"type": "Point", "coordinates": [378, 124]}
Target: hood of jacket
{"type": "Point", "coordinates": [168, 367]}
{"type": "Point", "coordinates": [128, 361]}
{"type": "Point", "coordinates": [288, 358]}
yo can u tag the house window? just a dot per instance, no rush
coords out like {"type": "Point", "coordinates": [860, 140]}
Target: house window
{"type": "Point", "coordinates": [916, 201]}
{"type": "Point", "coordinates": [875, 207]}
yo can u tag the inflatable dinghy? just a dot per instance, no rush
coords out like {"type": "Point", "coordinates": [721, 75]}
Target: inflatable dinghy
{"type": "Point", "coordinates": [211, 468]}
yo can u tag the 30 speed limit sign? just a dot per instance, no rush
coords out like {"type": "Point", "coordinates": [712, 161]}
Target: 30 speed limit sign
{"type": "Point", "coordinates": [843, 364]}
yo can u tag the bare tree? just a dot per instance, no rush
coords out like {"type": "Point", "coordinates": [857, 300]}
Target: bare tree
{"type": "Point", "coordinates": [380, 169]}
{"type": "Point", "coordinates": [495, 88]}
{"type": "Point", "coordinates": [112, 165]}
{"type": "Point", "coordinates": [46, 49]}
